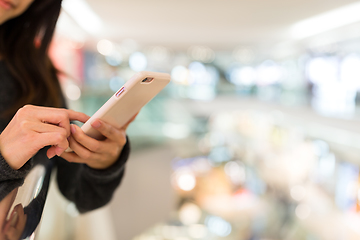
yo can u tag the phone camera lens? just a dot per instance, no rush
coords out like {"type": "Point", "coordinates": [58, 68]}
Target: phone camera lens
{"type": "Point", "coordinates": [147, 80]}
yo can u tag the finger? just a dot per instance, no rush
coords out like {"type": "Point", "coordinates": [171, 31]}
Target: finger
{"type": "Point", "coordinates": [54, 150]}
{"type": "Point", "coordinates": [61, 117]}
{"type": "Point", "coordinates": [72, 157]}
{"type": "Point", "coordinates": [46, 115]}
{"type": "Point", "coordinates": [77, 116]}
{"type": "Point", "coordinates": [43, 127]}
{"type": "Point", "coordinates": [99, 162]}
{"type": "Point", "coordinates": [57, 139]}
{"type": "Point", "coordinates": [85, 146]}
{"type": "Point", "coordinates": [75, 158]}
{"type": "Point", "coordinates": [51, 152]}
{"type": "Point", "coordinates": [106, 129]}
{"type": "Point", "coordinates": [82, 152]}
{"type": "Point", "coordinates": [130, 121]}
{"type": "Point", "coordinates": [72, 116]}
{"type": "Point", "coordinates": [85, 141]}
{"type": "Point", "coordinates": [59, 114]}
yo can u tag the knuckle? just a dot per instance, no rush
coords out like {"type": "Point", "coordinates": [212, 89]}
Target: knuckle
{"type": "Point", "coordinates": [63, 132]}
{"type": "Point", "coordinates": [96, 147]}
{"type": "Point", "coordinates": [59, 137]}
{"type": "Point", "coordinates": [122, 141]}
{"type": "Point", "coordinates": [86, 155]}
{"type": "Point", "coordinates": [110, 130]}
{"type": "Point", "coordinates": [28, 106]}
{"type": "Point", "coordinates": [114, 152]}
{"type": "Point", "coordinates": [64, 115]}
{"type": "Point", "coordinates": [21, 112]}
{"type": "Point", "coordinates": [25, 111]}
{"type": "Point", "coordinates": [24, 124]}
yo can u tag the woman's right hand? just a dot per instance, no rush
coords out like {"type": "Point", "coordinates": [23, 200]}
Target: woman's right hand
{"type": "Point", "coordinates": [33, 128]}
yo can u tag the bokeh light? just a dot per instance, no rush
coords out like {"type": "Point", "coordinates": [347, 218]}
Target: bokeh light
{"type": "Point", "coordinates": [189, 214]}
{"type": "Point", "coordinates": [105, 47]}
{"type": "Point", "coordinates": [116, 83]}
{"type": "Point", "coordinates": [236, 172]}
{"type": "Point", "coordinates": [72, 92]}
{"type": "Point", "coordinates": [114, 59]}
{"type": "Point", "coordinates": [202, 54]}
{"type": "Point", "coordinates": [138, 61]}
{"type": "Point", "coordinates": [180, 74]}
{"type": "Point", "coordinates": [268, 73]}
{"type": "Point", "coordinates": [184, 179]}
{"type": "Point", "coordinates": [218, 226]}
{"type": "Point", "coordinates": [175, 130]}
{"type": "Point", "coordinates": [298, 192]}
{"type": "Point", "coordinates": [245, 76]}
{"type": "Point", "coordinates": [349, 72]}
{"type": "Point", "coordinates": [303, 211]}
{"type": "Point", "coordinates": [197, 231]}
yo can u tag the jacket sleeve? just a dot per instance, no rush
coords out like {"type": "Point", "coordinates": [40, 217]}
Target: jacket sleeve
{"type": "Point", "coordinates": [90, 188]}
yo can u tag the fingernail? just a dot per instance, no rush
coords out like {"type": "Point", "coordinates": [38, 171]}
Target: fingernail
{"type": "Point", "coordinates": [51, 155]}
{"type": "Point", "coordinates": [59, 151]}
{"type": "Point", "coordinates": [14, 219]}
{"type": "Point", "coordinates": [96, 124]}
{"type": "Point", "coordinates": [73, 129]}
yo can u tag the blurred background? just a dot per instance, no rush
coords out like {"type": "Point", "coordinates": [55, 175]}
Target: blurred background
{"type": "Point", "coordinates": [256, 137]}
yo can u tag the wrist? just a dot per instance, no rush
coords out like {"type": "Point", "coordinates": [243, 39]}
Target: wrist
{"type": "Point", "coordinates": [6, 155]}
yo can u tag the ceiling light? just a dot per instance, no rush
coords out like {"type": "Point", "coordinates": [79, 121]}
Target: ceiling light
{"type": "Point", "coordinates": [81, 12]}
{"type": "Point", "coordinates": [327, 21]}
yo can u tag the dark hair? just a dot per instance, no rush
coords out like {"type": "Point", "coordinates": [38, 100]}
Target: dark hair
{"type": "Point", "coordinates": [24, 44]}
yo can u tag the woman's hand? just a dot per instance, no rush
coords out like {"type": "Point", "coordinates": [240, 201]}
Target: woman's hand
{"type": "Point", "coordinates": [97, 154]}
{"type": "Point", "coordinates": [33, 128]}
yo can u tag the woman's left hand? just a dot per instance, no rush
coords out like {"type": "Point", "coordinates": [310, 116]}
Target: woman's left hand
{"type": "Point", "coordinates": [97, 154]}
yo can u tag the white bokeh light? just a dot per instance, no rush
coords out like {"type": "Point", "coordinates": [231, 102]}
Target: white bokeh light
{"type": "Point", "coordinates": [243, 76]}
{"type": "Point", "coordinates": [138, 61]}
{"type": "Point", "coordinates": [72, 92]}
{"type": "Point", "coordinates": [176, 131]}
{"type": "Point", "coordinates": [218, 226]}
{"type": "Point", "coordinates": [185, 180]}
{"type": "Point", "coordinates": [116, 83]}
{"type": "Point", "coordinates": [197, 231]}
{"type": "Point", "coordinates": [180, 74]}
{"type": "Point", "coordinates": [268, 73]}
{"type": "Point", "coordinates": [349, 72]}
{"type": "Point", "coordinates": [298, 192]}
{"type": "Point", "coordinates": [105, 47]}
{"type": "Point", "coordinates": [189, 214]}
{"type": "Point", "coordinates": [303, 211]}
{"type": "Point", "coordinates": [235, 172]}
{"type": "Point", "coordinates": [322, 70]}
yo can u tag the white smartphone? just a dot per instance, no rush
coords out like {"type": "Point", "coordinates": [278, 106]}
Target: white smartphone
{"type": "Point", "coordinates": [128, 100]}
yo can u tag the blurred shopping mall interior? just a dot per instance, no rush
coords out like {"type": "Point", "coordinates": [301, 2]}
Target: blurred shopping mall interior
{"type": "Point", "coordinates": [257, 136]}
